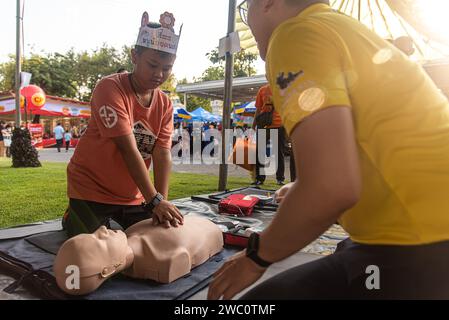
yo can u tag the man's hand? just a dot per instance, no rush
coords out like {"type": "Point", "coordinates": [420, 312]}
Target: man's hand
{"type": "Point", "coordinates": [167, 215]}
{"type": "Point", "coordinates": [280, 194]}
{"type": "Point", "coordinates": [237, 274]}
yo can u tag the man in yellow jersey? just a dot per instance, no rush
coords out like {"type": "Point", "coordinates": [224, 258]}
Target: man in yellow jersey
{"type": "Point", "coordinates": [370, 134]}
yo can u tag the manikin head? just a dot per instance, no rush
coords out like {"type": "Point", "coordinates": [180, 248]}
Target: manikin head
{"type": "Point", "coordinates": [264, 16]}
{"type": "Point", "coordinates": [94, 257]}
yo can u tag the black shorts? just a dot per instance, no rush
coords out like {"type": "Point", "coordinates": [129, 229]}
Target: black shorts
{"type": "Point", "coordinates": [367, 272]}
{"type": "Point", "coordinates": [87, 216]}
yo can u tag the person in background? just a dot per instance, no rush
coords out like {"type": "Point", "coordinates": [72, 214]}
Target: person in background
{"type": "Point", "coordinates": [264, 104]}
{"type": "Point", "coordinates": [2, 142]}
{"type": "Point", "coordinates": [7, 135]}
{"type": "Point", "coordinates": [75, 132]}
{"type": "Point", "coordinates": [59, 136]}
{"type": "Point", "coordinates": [67, 138]}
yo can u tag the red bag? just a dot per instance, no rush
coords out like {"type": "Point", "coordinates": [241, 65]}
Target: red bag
{"type": "Point", "coordinates": [238, 204]}
{"type": "Point", "coordinates": [235, 238]}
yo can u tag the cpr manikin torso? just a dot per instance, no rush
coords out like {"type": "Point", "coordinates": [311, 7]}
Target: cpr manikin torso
{"type": "Point", "coordinates": [165, 255]}
{"type": "Point", "coordinates": [144, 252]}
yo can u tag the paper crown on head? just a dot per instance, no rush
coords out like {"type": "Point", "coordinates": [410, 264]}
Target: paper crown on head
{"type": "Point", "coordinates": [161, 38]}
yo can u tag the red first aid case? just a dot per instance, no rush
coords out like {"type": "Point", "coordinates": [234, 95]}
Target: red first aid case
{"type": "Point", "coordinates": [238, 204]}
{"type": "Point", "coordinates": [235, 239]}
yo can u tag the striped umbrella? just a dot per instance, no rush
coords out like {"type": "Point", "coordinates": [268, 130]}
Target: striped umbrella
{"type": "Point", "coordinates": [181, 114]}
{"type": "Point", "coordinates": [248, 109]}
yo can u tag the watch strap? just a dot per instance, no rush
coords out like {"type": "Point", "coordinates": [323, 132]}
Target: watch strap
{"type": "Point", "coordinates": [253, 249]}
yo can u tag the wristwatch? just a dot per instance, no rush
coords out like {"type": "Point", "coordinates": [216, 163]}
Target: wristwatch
{"type": "Point", "coordinates": [253, 249]}
{"type": "Point", "coordinates": [158, 198]}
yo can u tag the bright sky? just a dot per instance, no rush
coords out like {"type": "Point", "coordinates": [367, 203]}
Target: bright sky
{"type": "Point", "coordinates": [58, 25]}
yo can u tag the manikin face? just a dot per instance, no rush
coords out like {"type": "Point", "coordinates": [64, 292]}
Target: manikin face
{"type": "Point", "coordinates": [151, 69]}
{"type": "Point", "coordinates": [112, 249]}
{"type": "Point", "coordinates": [98, 256]}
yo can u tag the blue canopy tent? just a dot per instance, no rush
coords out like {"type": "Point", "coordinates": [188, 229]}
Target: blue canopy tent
{"type": "Point", "coordinates": [201, 115]}
{"type": "Point", "coordinates": [217, 118]}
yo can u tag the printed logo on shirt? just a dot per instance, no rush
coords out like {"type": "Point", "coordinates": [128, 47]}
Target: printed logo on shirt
{"type": "Point", "coordinates": [284, 82]}
{"type": "Point", "coordinates": [108, 116]}
{"type": "Point", "coordinates": [145, 139]}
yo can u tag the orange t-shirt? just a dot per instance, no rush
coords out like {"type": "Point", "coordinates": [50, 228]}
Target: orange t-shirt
{"type": "Point", "coordinates": [265, 98]}
{"type": "Point", "coordinates": [97, 171]}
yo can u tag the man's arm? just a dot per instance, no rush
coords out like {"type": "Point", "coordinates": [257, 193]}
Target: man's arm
{"type": "Point", "coordinates": [326, 156]}
{"type": "Point", "coordinates": [330, 184]}
{"type": "Point", "coordinates": [162, 165]}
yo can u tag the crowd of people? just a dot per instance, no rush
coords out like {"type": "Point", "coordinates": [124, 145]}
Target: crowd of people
{"type": "Point", "coordinates": [65, 135]}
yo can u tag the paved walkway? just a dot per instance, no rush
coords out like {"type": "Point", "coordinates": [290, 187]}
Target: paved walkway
{"type": "Point", "coordinates": [52, 155]}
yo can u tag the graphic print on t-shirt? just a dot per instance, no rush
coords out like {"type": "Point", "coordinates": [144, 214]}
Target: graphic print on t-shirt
{"type": "Point", "coordinates": [145, 139]}
{"type": "Point", "coordinates": [108, 116]}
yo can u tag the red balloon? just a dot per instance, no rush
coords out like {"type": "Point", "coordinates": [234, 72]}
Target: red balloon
{"type": "Point", "coordinates": [35, 97]}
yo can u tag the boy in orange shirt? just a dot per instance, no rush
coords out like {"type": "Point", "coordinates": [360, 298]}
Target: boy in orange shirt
{"type": "Point", "coordinates": [131, 127]}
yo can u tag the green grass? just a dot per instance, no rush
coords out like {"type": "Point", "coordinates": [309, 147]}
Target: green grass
{"type": "Point", "coordinates": [37, 194]}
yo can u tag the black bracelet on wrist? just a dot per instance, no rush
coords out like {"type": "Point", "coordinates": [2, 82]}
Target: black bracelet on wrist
{"type": "Point", "coordinates": [158, 198]}
{"type": "Point", "coordinates": [253, 249]}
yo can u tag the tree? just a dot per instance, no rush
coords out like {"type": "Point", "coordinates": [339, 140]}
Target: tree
{"type": "Point", "coordinates": [54, 73]}
{"type": "Point", "coordinates": [92, 67]}
{"type": "Point", "coordinates": [243, 67]}
{"type": "Point", "coordinates": [169, 85]}
{"type": "Point", "coordinates": [7, 70]}
{"type": "Point", "coordinates": [70, 75]}
{"type": "Point", "coordinates": [24, 155]}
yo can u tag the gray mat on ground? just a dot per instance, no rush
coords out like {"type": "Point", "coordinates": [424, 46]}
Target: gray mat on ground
{"type": "Point", "coordinates": [34, 247]}
{"type": "Point", "coordinates": [36, 252]}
